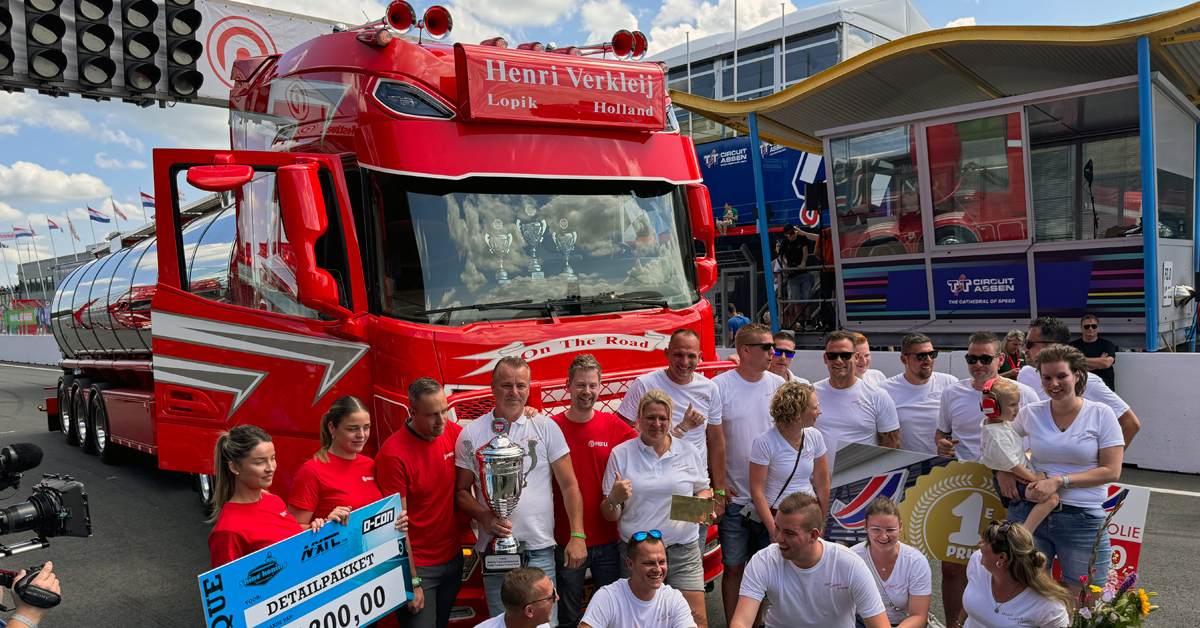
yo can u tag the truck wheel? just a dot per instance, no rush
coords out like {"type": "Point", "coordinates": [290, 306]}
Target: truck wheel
{"type": "Point", "coordinates": [64, 412]}
{"type": "Point", "coordinates": [79, 408]}
{"type": "Point", "coordinates": [108, 452]}
{"type": "Point", "coordinates": [206, 486]}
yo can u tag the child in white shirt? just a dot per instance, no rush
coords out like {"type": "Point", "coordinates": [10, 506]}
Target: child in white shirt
{"type": "Point", "coordinates": [1001, 448]}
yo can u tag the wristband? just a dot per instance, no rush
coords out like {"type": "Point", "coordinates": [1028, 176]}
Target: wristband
{"type": "Point", "coordinates": [416, 581]}
{"type": "Point", "coordinates": [1066, 481]}
{"type": "Point", "coordinates": [719, 492]}
{"type": "Point", "coordinates": [611, 504]}
{"type": "Point", "coordinates": [25, 620]}
{"type": "Point", "coordinates": [579, 535]}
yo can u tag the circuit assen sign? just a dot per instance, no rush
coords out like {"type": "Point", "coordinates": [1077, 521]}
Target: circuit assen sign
{"type": "Point", "coordinates": [521, 87]}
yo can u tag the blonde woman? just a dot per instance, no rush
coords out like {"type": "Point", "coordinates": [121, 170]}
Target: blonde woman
{"type": "Point", "coordinates": [789, 457]}
{"type": "Point", "coordinates": [642, 476]}
{"type": "Point", "coordinates": [1009, 584]}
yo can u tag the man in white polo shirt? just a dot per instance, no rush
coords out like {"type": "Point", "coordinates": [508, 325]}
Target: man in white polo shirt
{"type": "Point", "coordinates": [960, 434]}
{"type": "Point", "coordinates": [917, 393]}
{"type": "Point", "coordinates": [785, 352]}
{"type": "Point", "coordinates": [532, 522]}
{"type": "Point", "coordinates": [852, 410]}
{"type": "Point", "coordinates": [811, 583]}
{"type": "Point", "coordinates": [862, 362]}
{"type": "Point", "coordinates": [642, 600]}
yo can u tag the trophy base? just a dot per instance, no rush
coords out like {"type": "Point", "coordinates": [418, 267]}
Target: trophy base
{"type": "Point", "coordinates": [501, 562]}
{"type": "Point", "coordinates": [503, 281]}
{"type": "Point", "coordinates": [537, 275]}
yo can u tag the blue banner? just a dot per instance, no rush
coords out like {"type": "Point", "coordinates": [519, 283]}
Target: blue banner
{"type": "Point", "coordinates": [338, 577]}
{"type": "Point", "coordinates": [725, 166]}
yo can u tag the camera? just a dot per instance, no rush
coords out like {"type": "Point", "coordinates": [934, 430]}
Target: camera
{"type": "Point", "coordinates": [57, 507]}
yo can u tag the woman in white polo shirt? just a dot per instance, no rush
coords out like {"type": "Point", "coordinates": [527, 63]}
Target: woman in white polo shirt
{"type": "Point", "coordinates": [900, 571]}
{"type": "Point", "coordinates": [1009, 584]}
{"type": "Point", "coordinates": [641, 477]}
{"type": "Point", "coordinates": [790, 457]}
{"type": "Point", "coordinates": [1078, 444]}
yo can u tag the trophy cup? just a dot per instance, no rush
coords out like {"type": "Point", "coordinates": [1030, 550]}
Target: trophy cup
{"type": "Point", "coordinates": [499, 245]}
{"type": "Point", "coordinates": [533, 232]}
{"type": "Point", "coordinates": [566, 243]}
{"type": "Point", "coordinates": [501, 479]}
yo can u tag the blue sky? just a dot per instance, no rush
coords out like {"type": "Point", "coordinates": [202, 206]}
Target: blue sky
{"type": "Point", "coordinates": [59, 155]}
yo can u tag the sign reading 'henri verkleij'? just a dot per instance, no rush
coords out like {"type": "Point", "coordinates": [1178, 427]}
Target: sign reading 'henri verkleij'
{"type": "Point", "coordinates": [519, 86]}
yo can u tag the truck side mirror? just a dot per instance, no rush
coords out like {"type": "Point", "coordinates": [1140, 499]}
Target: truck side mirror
{"type": "Point", "coordinates": [701, 213]}
{"type": "Point", "coordinates": [302, 208]}
{"type": "Point", "coordinates": [222, 176]}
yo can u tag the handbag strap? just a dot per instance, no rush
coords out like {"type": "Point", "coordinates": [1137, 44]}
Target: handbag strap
{"type": "Point", "coordinates": [783, 488]}
{"type": "Point", "coordinates": [882, 588]}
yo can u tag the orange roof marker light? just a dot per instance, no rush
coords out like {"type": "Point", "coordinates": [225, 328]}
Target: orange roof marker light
{"type": "Point", "coordinates": [498, 42]}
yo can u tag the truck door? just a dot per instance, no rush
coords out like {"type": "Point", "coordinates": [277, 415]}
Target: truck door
{"type": "Point", "coordinates": [261, 319]}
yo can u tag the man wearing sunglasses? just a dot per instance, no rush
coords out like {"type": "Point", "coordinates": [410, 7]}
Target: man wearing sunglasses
{"type": "Point", "coordinates": [528, 597]}
{"type": "Point", "coordinates": [917, 393]}
{"type": "Point", "coordinates": [785, 352]}
{"type": "Point", "coordinates": [852, 411]}
{"type": "Point", "coordinates": [1048, 330]}
{"type": "Point", "coordinates": [1100, 352]}
{"type": "Point", "coordinates": [643, 599]}
{"type": "Point", "coordinates": [960, 433]}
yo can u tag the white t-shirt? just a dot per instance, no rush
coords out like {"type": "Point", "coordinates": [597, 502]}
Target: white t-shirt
{"type": "Point", "coordinates": [854, 415]}
{"type": "Point", "coordinates": [1072, 451]}
{"type": "Point", "coordinates": [701, 392]}
{"type": "Point", "coordinates": [910, 576]}
{"type": "Point", "coordinates": [543, 442]}
{"type": "Point", "coordinates": [1000, 447]}
{"type": "Point", "coordinates": [680, 471]}
{"type": "Point", "coordinates": [1026, 610]}
{"type": "Point", "coordinates": [745, 415]}
{"type": "Point", "coordinates": [873, 377]}
{"type": "Point", "coordinates": [1095, 390]}
{"type": "Point", "coordinates": [615, 606]}
{"type": "Point", "coordinates": [493, 622]}
{"type": "Point", "coordinates": [792, 377]}
{"type": "Point", "coordinates": [960, 416]}
{"type": "Point", "coordinates": [774, 452]}
{"type": "Point", "coordinates": [917, 409]}
{"type": "Point", "coordinates": [826, 596]}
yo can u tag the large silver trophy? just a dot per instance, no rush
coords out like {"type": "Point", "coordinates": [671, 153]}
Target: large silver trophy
{"type": "Point", "coordinates": [499, 244]}
{"type": "Point", "coordinates": [566, 244]}
{"type": "Point", "coordinates": [501, 479]}
{"type": "Point", "coordinates": [533, 231]}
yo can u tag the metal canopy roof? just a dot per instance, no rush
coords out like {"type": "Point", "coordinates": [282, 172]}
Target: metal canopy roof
{"type": "Point", "coordinates": [958, 66]}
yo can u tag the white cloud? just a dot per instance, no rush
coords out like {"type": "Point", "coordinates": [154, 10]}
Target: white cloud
{"type": "Point", "coordinates": [962, 21]}
{"type": "Point", "coordinates": [40, 111]}
{"type": "Point", "coordinates": [602, 18]}
{"type": "Point", "coordinates": [677, 17]}
{"type": "Point", "coordinates": [8, 214]}
{"type": "Point", "coordinates": [8, 129]}
{"type": "Point", "coordinates": [119, 136]}
{"type": "Point", "coordinates": [26, 182]}
{"type": "Point", "coordinates": [103, 161]}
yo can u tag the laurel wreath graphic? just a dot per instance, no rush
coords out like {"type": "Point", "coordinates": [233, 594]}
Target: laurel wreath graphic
{"type": "Point", "coordinates": [920, 512]}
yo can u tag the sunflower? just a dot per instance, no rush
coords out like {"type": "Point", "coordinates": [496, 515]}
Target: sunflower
{"type": "Point", "coordinates": [1144, 608]}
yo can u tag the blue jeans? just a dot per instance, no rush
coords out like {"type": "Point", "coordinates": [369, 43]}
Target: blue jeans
{"type": "Point", "coordinates": [441, 584]}
{"type": "Point", "coordinates": [800, 287]}
{"type": "Point", "coordinates": [605, 562]}
{"type": "Point", "coordinates": [1069, 535]}
{"type": "Point", "coordinates": [540, 558]}
{"type": "Point", "coordinates": [738, 543]}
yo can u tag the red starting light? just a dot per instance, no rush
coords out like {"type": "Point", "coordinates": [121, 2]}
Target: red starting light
{"type": "Point", "coordinates": [400, 16]}
{"type": "Point", "coordinates": [498, 42]}
{"type": "Point", "coordinates": [640, 43]}
{"type": "Point", "coordinates": [437, 22]}
{"type": "Point", "coordinates": [535, 46]}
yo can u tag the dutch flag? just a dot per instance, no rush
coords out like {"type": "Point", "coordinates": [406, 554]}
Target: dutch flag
{"type": "Point", "coordinates": [97, 216]}
{"type": "Point", "coordinates": [19, 232]}
{"type": "Point", "coordinates": [147, 201]}
{"type": "Point", "coordinates": [53, 225]}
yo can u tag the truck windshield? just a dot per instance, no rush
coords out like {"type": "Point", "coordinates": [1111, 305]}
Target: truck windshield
{"type": "Point", "coordinates": [575, 247]}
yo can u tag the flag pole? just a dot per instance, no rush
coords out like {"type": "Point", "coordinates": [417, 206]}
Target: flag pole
{"type": "Point", "coordinates": [20, 262]}
{"type": "Point", "coordinates": [7, 275]}
{"type": "Point", "coordinates": [37, 260]}
{"type": "Point", "coordinates": [71, 226]}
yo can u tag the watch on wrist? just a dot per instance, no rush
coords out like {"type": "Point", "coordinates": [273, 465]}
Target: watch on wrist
{"type": "Point", "coordinates": [1066, 481]}
{"type": "Point", "coordinates": [416, 581]}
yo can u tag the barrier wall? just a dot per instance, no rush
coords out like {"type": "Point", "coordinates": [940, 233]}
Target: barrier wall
{"type": "Point", "coordinates": [1153, 384]}
{"type": "Point", "coordinates": [29, 349]}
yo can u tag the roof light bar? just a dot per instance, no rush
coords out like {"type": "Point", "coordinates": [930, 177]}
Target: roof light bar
{"type": "Point", "coordinates": [498, 42]}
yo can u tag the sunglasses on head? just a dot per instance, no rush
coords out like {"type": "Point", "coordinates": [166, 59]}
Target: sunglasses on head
{"type": "Point", "coordinates": [765, 346]}
{"type": "Point", "coordinates": [924, 355]}
{"type": "Point", "coordinates": [834, 356]}
{"type": "Point", "coordinates": [1093, 326]}
{"type": "Point", "coordinates": [641, 536]}
{"type": "Point", "coordinates": [787, 353]}
{"type": "Point", "coordinates": [983, 359]}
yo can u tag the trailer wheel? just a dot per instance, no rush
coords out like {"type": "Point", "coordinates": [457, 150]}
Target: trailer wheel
{"type": "Point", "coordinates": [64, 411]}
{"type": "Point", "coordinates": [78, 409]}
{"type": "Point", "coordinates": [206, 486]}
{"type": "Point", "coordinates": [108, 452]}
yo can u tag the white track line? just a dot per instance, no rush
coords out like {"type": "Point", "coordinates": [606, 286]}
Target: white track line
{"type": "Point", "coordinates": [1169, 491]}
{"type": "Point", "coordinates": [50, 369]}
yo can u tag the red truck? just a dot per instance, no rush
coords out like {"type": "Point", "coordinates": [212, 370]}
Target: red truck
{"type": "Point", "coordinates": [392, 210]}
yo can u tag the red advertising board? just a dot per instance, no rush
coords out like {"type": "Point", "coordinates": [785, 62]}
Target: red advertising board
{"type": "Point", "coordinates": [521, 87]}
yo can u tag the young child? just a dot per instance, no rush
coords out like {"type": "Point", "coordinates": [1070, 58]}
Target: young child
{"type": "Point", "coordinates": [1002, 449]}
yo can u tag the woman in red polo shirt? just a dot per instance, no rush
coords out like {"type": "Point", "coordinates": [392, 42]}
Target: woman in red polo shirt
{"type": "Point", "coordinates": [338, 475]}
{"type": "Point", "coordinates": [248, 518]}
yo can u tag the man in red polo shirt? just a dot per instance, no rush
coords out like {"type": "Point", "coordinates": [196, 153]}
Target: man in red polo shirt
{"type": "Point", "coordinates": [417, 462]}
{"type": "Point", "coordinates": [591, 435]}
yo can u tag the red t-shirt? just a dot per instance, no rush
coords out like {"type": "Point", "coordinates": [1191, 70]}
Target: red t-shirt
{"type": "Point", "coordinates": [319, 487]}
{"type": "Point", "coordinates": [423, 473]}
{"type": "Point", "coordinates": [246, 528]}
{"type": "Point", "coordinates": [590, 443]}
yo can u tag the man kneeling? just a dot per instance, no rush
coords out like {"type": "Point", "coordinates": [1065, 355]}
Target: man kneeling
{"type": "Point", "coordinates": [811, 583]}
{"type": "Point", "coordinates": [641, 600]}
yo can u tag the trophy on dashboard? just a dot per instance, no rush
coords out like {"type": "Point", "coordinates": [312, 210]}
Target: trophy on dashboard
{"type": "Point", "coordinates": [499, 244]}
{"type": "Point", "coordinates": [533, 231]}
{"type": "Point", "coordinates": [566, 244]}
{"type": "Point", "coordinates": [501, 479]}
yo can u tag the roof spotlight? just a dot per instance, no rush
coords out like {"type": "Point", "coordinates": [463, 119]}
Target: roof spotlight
{"type": "Point", "coordinates": [535, 46]}
{"type": "Point", "coordinates": [498, 42]}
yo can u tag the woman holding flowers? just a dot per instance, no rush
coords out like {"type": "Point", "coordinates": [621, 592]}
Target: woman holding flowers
{"type": "Point", "coordinates": [1009, 584]}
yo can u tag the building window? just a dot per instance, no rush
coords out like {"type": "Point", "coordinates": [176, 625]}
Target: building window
{"type": "Point", "coordinates": [859, 41]}
{"type": "Point", "coordinates": [809, 54]}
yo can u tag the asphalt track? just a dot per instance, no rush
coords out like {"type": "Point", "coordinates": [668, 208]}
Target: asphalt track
{"type": "Point", "coordinates": [149, 540]}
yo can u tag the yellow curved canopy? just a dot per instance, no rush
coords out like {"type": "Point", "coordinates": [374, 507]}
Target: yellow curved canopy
{"type": "Point", "coordinates": [958, 66]}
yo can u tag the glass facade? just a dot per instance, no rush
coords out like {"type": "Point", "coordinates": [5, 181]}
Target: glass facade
{"type": "Point", "coordinates": [878, 195]}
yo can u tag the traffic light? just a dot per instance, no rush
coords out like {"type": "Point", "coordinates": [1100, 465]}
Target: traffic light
{"type": "Point", "coordinates": [44, 30]}
{"type": "Point", "coordinates": [183, 49]}
{"type": "Point", "coordinates": [6, 50]}
{"type": "Point", "coordinates": [94, 38]}
{"type": "Point", "coordinates": [140, 44]}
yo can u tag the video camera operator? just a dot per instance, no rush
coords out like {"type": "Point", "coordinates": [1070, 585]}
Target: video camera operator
{"type": "Point", "coordinates": [27, 613]}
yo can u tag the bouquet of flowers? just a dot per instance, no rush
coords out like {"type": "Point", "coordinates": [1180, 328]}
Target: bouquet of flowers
{"type": "Point", "coordinates": [1114, 606]}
